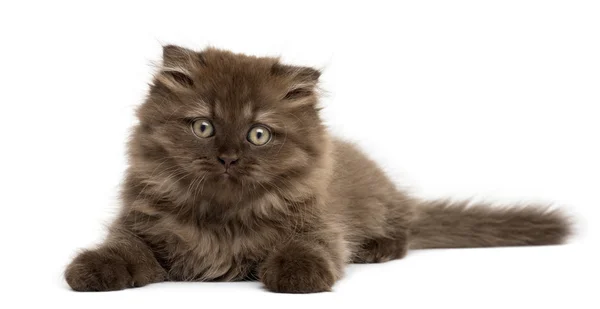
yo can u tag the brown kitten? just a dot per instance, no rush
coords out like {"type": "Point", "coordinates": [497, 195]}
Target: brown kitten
{"type": "Point", "coordinates": [233, 176]}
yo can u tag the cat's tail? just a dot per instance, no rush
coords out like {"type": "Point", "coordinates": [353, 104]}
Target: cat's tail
{"type": "Point", "coordinates": [445, 224]}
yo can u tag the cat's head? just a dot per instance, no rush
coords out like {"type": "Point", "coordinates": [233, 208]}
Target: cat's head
{"type": "Point", "coordinates": [231, 119]}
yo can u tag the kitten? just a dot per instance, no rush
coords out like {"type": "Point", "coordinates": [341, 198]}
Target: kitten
{"type": "Point", "coordinates": [233, 176]}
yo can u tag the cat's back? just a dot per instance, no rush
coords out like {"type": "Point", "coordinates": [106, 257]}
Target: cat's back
{"type": "Point", "coordinates": [360, 191]}
{"type": "Point", "coordinates": [355, 174]}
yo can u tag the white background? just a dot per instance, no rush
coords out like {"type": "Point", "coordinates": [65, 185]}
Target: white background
{"type": "Point", "coordinates": [486, 99]}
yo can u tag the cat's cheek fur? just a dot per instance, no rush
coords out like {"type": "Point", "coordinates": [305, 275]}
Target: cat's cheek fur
{"type": "Point", "coordinates": [298, 268]}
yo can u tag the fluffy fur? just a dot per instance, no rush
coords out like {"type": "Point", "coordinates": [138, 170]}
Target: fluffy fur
{"type": "Point", "coordinates": [291, 213]}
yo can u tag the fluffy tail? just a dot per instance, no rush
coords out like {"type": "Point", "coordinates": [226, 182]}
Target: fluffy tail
{"type": "Point", "coordinates": [443, 224]}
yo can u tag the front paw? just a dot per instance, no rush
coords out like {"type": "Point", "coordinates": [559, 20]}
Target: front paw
{"type": "Point", "coordinates": [96, 270]}
{"type": "Point", "coordinates": [298, 269]}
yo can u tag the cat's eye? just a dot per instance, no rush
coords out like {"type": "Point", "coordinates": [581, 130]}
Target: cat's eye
{"type": "Point", "coordinates": [259, 135]}
{"type": "Point", "coordinates": [203, 128]}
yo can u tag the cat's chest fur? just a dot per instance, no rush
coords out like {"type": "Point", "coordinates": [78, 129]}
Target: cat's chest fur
{"type": "Point", "coordinates": [208, 249]}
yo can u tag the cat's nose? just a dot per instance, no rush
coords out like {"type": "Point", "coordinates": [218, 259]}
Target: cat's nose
{"type": "Point", "coordinates": [228, 160]}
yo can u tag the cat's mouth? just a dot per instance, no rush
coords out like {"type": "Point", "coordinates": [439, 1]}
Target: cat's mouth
{"type": "Point", "coordinates": [227, 174]}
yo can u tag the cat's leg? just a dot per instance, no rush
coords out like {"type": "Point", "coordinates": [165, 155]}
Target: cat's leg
{"type": "Point", "coordinates": [305, 264]}
{"type": "Point", "coordinates": [382, 249]}
{"type": "Point", "coordinates": [390, 241]}
{"type": "Point", "coordinates": [123, 261]}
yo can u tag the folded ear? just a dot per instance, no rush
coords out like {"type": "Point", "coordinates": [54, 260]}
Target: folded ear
{"type": "Point", "coordinates": [302, 81]}
{"type": "Point", "coordinates": [176, 56]}
{"type": "Point", "coordinates": [178, 66]}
